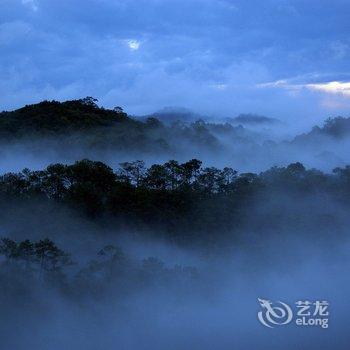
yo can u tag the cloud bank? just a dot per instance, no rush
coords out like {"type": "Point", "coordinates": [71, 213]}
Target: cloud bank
{"type": "Point", "coordinates": [216, 57]}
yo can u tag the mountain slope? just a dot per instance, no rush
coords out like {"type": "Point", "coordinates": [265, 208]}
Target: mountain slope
{"type": "Point", "coordinates": [54, 116]}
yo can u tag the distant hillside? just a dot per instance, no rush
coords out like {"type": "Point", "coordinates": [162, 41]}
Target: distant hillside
{"type": "Point", "coordinates": [85, 125]}
{"type": "Point", "coordinates": [55, 117]}
{"type": "Point", "coordinates": [169, 115]}
{"type": "Point", "coordinates": [252, 119]}
{"type": "Point", "coordinates": [336, 128]}
{"type": "Point", "coordinates": [71, 130]}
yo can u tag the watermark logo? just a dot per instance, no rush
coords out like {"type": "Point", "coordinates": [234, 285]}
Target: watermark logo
{"type": "Point", "coordinates": [277, 315]}
{"type": "Point", "coordinates": [306, 313]}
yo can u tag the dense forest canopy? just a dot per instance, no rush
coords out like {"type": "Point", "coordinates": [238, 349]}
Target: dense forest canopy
{"type": "Point", "coordinates": [42, 263]}
{"type": "Point", "coordinates": [182, 200]}
{"type": "Point", "coordinates": [58, 117]}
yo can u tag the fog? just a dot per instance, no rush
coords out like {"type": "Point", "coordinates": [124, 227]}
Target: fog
{"type": "Point", "coordinates": [296, 257]}
{"type": "Point", "coordinates": [217, 309]}
{"type": "Point", "coordinates": [223, 315]}
{"type": "Point", "coordinates": [244, 147]}
{"type": "Point", "coordinates": [136, 282]}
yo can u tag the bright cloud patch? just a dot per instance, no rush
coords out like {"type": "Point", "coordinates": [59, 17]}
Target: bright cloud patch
{"type": "Point", "coordinates": [133, 44]}
{"type": "Point", "coordinates": [333, 87]}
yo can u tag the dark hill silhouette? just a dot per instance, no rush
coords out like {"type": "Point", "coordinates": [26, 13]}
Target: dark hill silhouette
{"type": "Point", "coordinates": [169, 115]}
{"type": "Point", "coordinates": [335, 128]}
{"type": "Point", "coordinates": [83, 129]}
{"type": "Point", "coordinates": [253, 119]}
{"type": "Point", "coordinates": [88, 126]}
{"type": "Point", "coordinates": [54, 116]}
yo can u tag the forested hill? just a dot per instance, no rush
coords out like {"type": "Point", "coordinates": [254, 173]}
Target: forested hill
{"type": "Point", "coordinates": [56, 117]}
{"type": "Point", "coordinates": [77, 129]}
{"type": "Point", "coordinates": [186, 201]}
{"type": "Point", "coordinates": [52, 117]}
{"type": "Point", "coordinates": [334, 128]}
{"type": "Point", "coordinates": [85, 126]}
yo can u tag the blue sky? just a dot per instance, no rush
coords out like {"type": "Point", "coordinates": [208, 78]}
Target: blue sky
{"type": "Point", "coordinates": [286, 59]}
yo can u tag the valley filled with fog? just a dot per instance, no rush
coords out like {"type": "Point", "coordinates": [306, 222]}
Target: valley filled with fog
{"type": "Point", "coordinates": [174, 175]}
{"type": "Point", "coordinates": [247, 143]}
{"type": "Point", "coordinates": [161, 232]}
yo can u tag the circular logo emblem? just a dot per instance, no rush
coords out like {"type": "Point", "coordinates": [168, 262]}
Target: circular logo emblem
{"type": "Point", "coordinates": [274, 315]}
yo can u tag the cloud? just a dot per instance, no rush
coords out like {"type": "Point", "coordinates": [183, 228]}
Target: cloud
{"type": "Point", "coordinates": [202, 54]}
{"type": "Point", "coordinates": [133, 44]}
{"type": "Point", "coordinates": [332, 87]}
{"type": "Point", "coordinates": [32, 4]}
